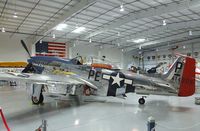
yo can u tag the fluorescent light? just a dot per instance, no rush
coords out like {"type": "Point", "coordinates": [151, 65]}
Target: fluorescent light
{"type": "Point", "coordinates": [79, 30]}
{"type": "Point", "coordinates": [122, 50]}
{"type": "Point", "coordinates": [3, 30]}
{"type": "Point", "coordinates": [15, 15]}
{"type": "Point", "coordinates": [76, 122]}
{"type": "Point", "coordinates": [54, 36]}
{"type": "Point", "coordinates": [190, 32]}
{"type": "Point", "coordinates": [164, 22]}
{"type": "Point", "coordinates": [121, 8]}
{"type": "Point", "coordinates": [183, 47]}
{"type": "Point", "coordinates": [61, 26]}
{"type": "Point", "coordinates": [139, 40]}
{"type": "Point", "coordinates": [90, 40]}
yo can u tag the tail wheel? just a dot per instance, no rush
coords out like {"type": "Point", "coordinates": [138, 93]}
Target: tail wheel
{"type": "Point", "coordinates": [141, 101]}
{"type": "Point", "coordinates": [87, 91]}
{"type": "Point", "coordinates": [35, 100]}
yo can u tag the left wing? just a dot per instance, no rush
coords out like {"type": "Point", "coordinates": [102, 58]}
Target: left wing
{"type": "Point", "coordinates": [44, 79]}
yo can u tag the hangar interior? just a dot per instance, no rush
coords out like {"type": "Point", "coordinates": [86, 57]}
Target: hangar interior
{"type": "Point", "coordinates": [128, 33]}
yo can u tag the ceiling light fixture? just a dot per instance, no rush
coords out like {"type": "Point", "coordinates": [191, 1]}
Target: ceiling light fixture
{"type": "Point", "coordinates": [60, 27]}
{"type": "Point", "coordinates": [3, 30]}
{"type": "Point", "coordinates": [15, 15]}
{"type": "Point", "coordinates": [122, 50]}
{"type": "Point", "coordinates": [76, 122]}
{"type": "Point", "coordinates": [190, 32]}
{"type": "Point", "coordinates": [164, 23]}
{"type": "Point", "coordinates": [54, 36]}
{"type": "Point", "coordinates": [183, 47]}
{"type": "Point", "coordinates": [79, 30]}
{"type": "Point", "coordinates": [139, 40]}
{"type": "Point", "coordinates": [121, 7]}
{"type": "Point", "coordinates": [90, 40]}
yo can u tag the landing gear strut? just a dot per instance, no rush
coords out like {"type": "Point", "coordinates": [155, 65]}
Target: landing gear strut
{"type": "Point", "coordinates": [141, 101]}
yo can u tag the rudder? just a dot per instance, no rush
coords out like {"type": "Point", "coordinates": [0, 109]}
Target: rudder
{"type": "Point", "coordinates": [187, 81]}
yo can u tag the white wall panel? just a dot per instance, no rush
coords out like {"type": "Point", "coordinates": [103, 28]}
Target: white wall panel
{"type": "Point", "coordinates": [11, 48]}
{"type": "Point", "coordinates": [115, 55]}
{"type": "Point", "coordinates": [83, 50]}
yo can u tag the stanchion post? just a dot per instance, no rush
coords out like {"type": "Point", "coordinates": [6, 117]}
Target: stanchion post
{"type": "Point", "coordinates": [44, 125]}
{"type": "Point", "coordinates": [151, 124]}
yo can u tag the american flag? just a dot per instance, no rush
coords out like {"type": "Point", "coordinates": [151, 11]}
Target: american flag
{"type": "Point", "coordinates": [51, 49]}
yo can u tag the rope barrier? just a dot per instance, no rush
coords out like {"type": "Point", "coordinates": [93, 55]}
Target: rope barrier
{"type": "Point", "coordinates": [4, 120]}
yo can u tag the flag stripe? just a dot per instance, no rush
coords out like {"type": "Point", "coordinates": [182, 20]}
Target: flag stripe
{"type": "Point", "coordinates": [55, 49]}
{"type": "Point", "coordinates": [50, 55]}
{"type": "Point", "coordinates": [62, 52]}
{"type": "Point", "coordinates": [56, 43]}
{"type": "Point", "coordinates": [57, 46]}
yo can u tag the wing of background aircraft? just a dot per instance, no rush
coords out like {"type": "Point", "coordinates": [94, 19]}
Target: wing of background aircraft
{"type": "Point", "coordinates": [17, 64]}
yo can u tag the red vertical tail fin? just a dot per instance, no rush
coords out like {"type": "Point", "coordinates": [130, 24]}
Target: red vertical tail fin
{"type": "Point", "coordinates": [187, 80]}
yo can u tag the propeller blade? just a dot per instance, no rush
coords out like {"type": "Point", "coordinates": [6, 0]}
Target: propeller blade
{"type": "Point", "coordinates": [25, 47]}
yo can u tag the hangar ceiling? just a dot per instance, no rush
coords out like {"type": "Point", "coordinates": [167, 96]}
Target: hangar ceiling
{"type": "Point", "coordinates": [104, 22]}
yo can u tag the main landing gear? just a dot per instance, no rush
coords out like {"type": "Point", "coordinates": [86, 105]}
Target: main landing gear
{"type": "Point", "coordinates": [37, 96]}
{"type": "Point", "coordinates": [37, 101]}
{"type": "Point", "coordinates": [141, 101]}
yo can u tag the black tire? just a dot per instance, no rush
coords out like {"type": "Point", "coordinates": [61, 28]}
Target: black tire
{"type": "Point", "coordinates": [37, 102]}
{"type": "Point", "coordinates": [141, 101]}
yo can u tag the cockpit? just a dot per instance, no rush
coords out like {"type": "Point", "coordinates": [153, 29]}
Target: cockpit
{"type": "Point", "coordinates": [77, 60]}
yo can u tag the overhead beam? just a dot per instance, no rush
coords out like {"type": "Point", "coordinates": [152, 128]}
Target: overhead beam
{"type": "Point", "coordinates": [76, 8]}
{"type": "Point", "coordinates": [151, 12]}
{"type": "Point", "coordinates": [191, 41]}
{"type": "Point", "coordinates": [170, 45]}
{"type": "Point", "coordinates": [160, 29]}
{"type": "Point", "coordinates": [2, 11]}
{"type": "Point", "coordinates": [166, 39]}
{"type": "Point", "coordinates": [171, 38]}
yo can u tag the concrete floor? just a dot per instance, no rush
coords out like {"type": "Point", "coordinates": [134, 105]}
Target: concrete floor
{"type": "Point", "coordinates": [171, 113]}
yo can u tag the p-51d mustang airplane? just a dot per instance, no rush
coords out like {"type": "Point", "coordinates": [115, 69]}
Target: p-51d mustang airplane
{"type": "Point", "coordinates": [178, 81]}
